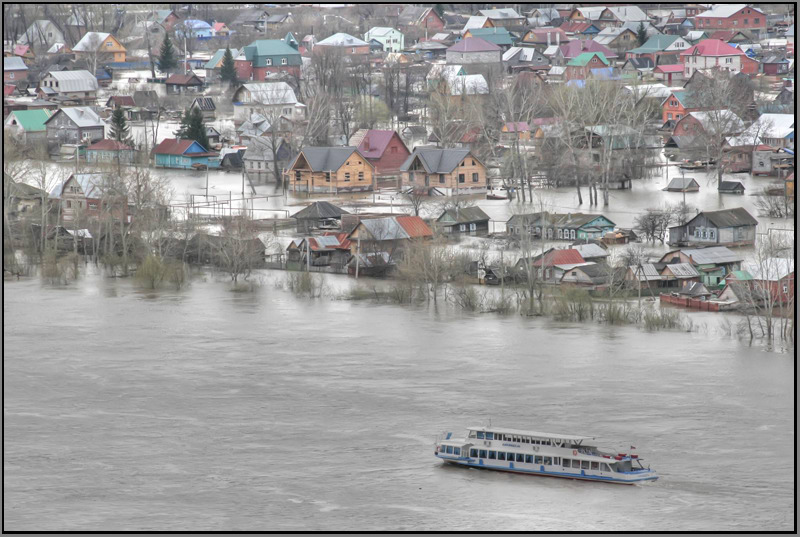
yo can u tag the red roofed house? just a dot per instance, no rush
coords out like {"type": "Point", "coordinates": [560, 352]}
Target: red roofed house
{"type": "Point", "coordinates": [120, 101]}
{"type": "Point", "coordinates": [582, 30]}
{"type": "Point", "coordinates": [473, 50]}
{"type": "Point", "coordinates": [178, 83]}
{"type": "Point", "coordinates": [550, 265]}
{"type": "Point", "coordinates": [669, 73]}
{"type": "Point", "coordinates": [384, 149]}
{"type": "Point", "coordinates": [109, 151]}
{"type": "Point", "coordinates": [519, 129]}
{"type": "Point", "coordinates": [541, 38]}
{"type": "Point", "coordinates": [220, 29]}
{"type": "Point", "coordinates": [573, 49]}
{"type": "Point", "coordinates": [710, 53]}
{"type": "Point", "coordinates": [25, 52]}
{"type": "Point", "coordinates": [731, 17]}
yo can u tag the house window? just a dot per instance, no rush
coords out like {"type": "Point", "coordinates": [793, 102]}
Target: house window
{"type": "Point", "coordinates": [69, 204]}
{"type": "Point", "coordinates": [756, 20]}
{"type": "Point", "coordinates": [269, 61]}
{"type": "Point", "coordinates": [441, 178]}
{"type": "Point", "coordinates": [393, 150]}
{"type": "Point", "coordinates": [354, 50]}
{"type": "Point", "coordinates": [327, 177]}
{"type": "Point", "coordinates": [347, 176]}
{"type": "Point", "coordinates": [669, 116]}
{"type": "Point", "coordinates": [474, 177]}
{"type": "Point", "coordinates": [462, 227]}
{"type": "Point", "coordinates": [572, 233]}
{"type": "Point", "coordinates": [711, 234]}
{"type": "Point", "coordinates": [284, 61]}
{"type": "Point", "coordinates": [108, 45]}
{"type": "Point", "coordinates": [11, 75]}
{"type": "Point", "coordinates": [461, 178]}
{"type": "Point", "coordinates": [360, 176]}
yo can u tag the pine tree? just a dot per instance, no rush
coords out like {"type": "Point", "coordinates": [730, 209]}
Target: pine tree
{"type": "Point", "coordinates": [119, 128]}
{"type": "Point", "coordinates": [166, 58]}
{"type": "Point", "coordinates": [228, 71]}
{"type": "Point", "coordinates": [641, 34]}
{"type": "Point", "coordinates": [193, 127]}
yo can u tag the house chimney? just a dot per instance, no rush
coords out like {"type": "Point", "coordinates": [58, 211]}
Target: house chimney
{"type": "Point", "coordinates": [558, 39]}
{"type": "Point", "coordinates": [548, 39]}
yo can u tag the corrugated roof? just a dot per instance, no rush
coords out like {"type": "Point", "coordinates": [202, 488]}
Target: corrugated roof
{"type": "Point", "coordinates": [375, 142]}
{"type": "Point", "coordinates": [31, 120]}
{"type": "Point", "coordinates": [90, 184]}
{"type": "Point", "coordinates": [82, 116]}
{"type": "Point", "coordinates": [679, 184]}
{"type": "Point", "coordinates": [205, 103]}
{"type": "Point", "coordinates": [645, 272]}
{"type": "Point", "coordinates": [384, 229]}
{"type": "Point", "coordinates": [559, 257]}
{"type": "Point", "coordinates": [737, 216]}
{"type": "Point", "coordinates": [585, 57]}
{"type": "Point", "coordinates": [414, 226]}
{"type": "Point", "coordinates": [341, 40]}
{"type": "Point", "coordinates": [74, 80]}
{"type": "Point", "coordinates": [712, 47]}
{"type": "Point", "coordinates": [575, 48]}
{"type": "Point", "coordinates": [178, 146]}
{"type": "Point", "coordinates": [464, 215]}
{"type": "Point", "coordinates": [724, 11]}
{"type": "Point", "coordinates": [713, 255]}
{"type": "Point", "coordinates": [682, 270]}
{"type": "Point", "coordinates": [270, 93]}
{"type": "Point", "coordinates": [325, 159]}
{"type": "Point", "coordinates": [189, 79]}
{"type": "Point", "coordinates": [590, 250]}
{"type": "Point", "coordinates": [216, 59]}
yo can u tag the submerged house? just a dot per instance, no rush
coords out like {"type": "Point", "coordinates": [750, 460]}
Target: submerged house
{"type": "Point", "coordinates": [448, 171]}
{"type": "Point", "coordinates": [714, 263]}
{"type": "Point", "coordinates": [570, 226]}
{"type": "Point", "coordinates": [318, 215]}
{"type": "Point", "coordinates": [330, 169]}
{"type": "Point", "coordinates": [185, 154]}
{"type": "Point", "coordinates": [464, 220]}
{"type": "Point", "coordinates": [682, 184]}
{"type": "Point", "coordinates": [731, 227]}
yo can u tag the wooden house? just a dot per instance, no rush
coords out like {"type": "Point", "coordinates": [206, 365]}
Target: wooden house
{"type": "Point", "coordinates": [447, 171]}
{"type": "Point", "coordinates": [569, 226]}
{"type": "Point", "coordinates": [185, 154]}
{"type": "Point", "coordinates": [74, 125]}
{"type": "Point", "coordinates": [259, 157]}
{"type": "Point", "coordinates": [109, 151]}
{"type": "Point", "coordinates": [103, 45]}
{"type": "Point", "coordinates": [390, 234]}
{"type": "Point", "coordinates": [178, 84]}
{"type": "Point", "coordinates": [587, 275]}
{"type": "Point", "coordinates": [206, 106]}
{"type": "Point", "coordinates": [731, 227]}
{"type": "Point", "coordinates": [714, 263]}
{"type": "Point", "coordinates": [682, 184]}
{"type": "Point", "coordinates": [678, 273]}
{"type": "Point", "coordinates": [331, 250]}
{"type": "Point", "coordinates": [330, 169]}
{"type": "Point", "coordinates": [464, 220]}
{"type": "Point", "coordinates": [519, 130]}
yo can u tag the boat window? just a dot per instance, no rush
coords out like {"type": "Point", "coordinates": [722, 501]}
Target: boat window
{"type": "Point", "coordinates": [457, 451]}
{"type": "Point", "coordinates": [450, 450]}
{"type": "Point", "coordinates": [472, 434]}
{"type": "Point", "coordinates": [489, 436]}
{"type": "Point", "coordinates": [595, 465]}
{"type": "Point", "coordinates": [526, 440]}
{"type": "Point", "coordinates": [492, 454]}
{"type": "Point", "coordinates": [483, 454]}
{"type": "Point", "coordinates": [585, 465]}
{"type": "Point", "coordinates": [556, 460]}
{"type": "Point", "coordinates": [501, 456]}
{"type": "Point", "coordinates": [548, 460]}
{"type": "Point", "coordinates": [529, 459]}
{"type": "Point", "coordinates": [576, 464]}
{"type": "Point", "coordinates": [520, 457]}
{"type": "Point", "coordinates": [480, 434]}
{"type": "Point", "coordinates": [538, 459]}
{"type": "Point", "coordinates": [565, 463]}
{"type": "Point", "coordinates": [473, 452]}
{"type": "Point", "coordinates": [606, 468]}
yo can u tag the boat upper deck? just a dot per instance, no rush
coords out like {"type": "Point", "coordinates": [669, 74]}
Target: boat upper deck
{"type": "Point", "coordinates": [569, 438]}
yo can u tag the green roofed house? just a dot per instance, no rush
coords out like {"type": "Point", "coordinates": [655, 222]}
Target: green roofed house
{"type": "Point", "coordinates": [268, 56]}
{"type": "Point", "coordinates": [579, 67]}
{"type": "Point", "coordinates": [499, 36]}
{"type": "Point", "coordinates": [214, 65]}
{"type": "Point", "coordinates": [28, 125]}
{"type": "Point", "coordinates": [658, 45]}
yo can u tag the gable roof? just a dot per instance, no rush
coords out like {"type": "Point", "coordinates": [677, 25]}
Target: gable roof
{"type": "Point", "coordinates": [499, 14]}
{"type": "Point", "coordinates": [712, 255]}
{"type": "Point", "coordinates": [584, 58]}
{"type": "Point", "coordinates": [737, 216]}
{"type": "Point", "coordinates": [375, 141]}
{"type": "Point", "coordinates": [90, 183]}
{"type": "Point", "coordinates": [31, 120]}
{"type": "Point", "coordinates": [414, 226]}
{"type": "Point", "coordinates": [575, 48]}
{"type": "Point", "coordinates": [189, 79]}
{"type": "Point", "coordinates": [270, 93]}
{"type": "Point", "coordinates": [319, 210]}
{"type": "Point", "coordinates": [498, 35]}
{"type": "Point", "coordinates": [656, 43]}
{"type": "Point", "coordinates": [90, 41]}
{"type": "Point", "coordinates": [267, 47]}
{"type": "Point", "coordinates": [341, 40]}
{"type": "Point", "coordinates": [324, 159]}
{"type": "Point", "coordinates": [464, 215]}
{"type": "Point", "coordinates": [567, 256]}
{"type": "Point", "coordinates": [712, 47]}
{"type": "Point", "coordinates": [180, 146]}
{"type": "Point", "coordinates": [204, 103]}
{"type": "Point", "coordinates": [724, 11]}
{"type": "Point", "coordinates": [437, 160]}
{"type": "Point", "coordinates": [82, 116]}
{"type": "Point", "coordinates": [682, 270]}
{"type": "Point", "coordinates": [81, 80]}
{"type": "Point", "coordinates": [473, 44]}
{"type": "Point", "coordinates": [590, 250]}
{"type": "Point", "coordinates": [121, 100]}
{"type": "Point", "coordinates": [108, 145]}
{"type": "Point", "coordinates": [216, 59]}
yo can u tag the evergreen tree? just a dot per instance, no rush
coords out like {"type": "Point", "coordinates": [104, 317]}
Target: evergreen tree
{"type": "Point", "coordinates": [641, 34]}
{"type": "Point", "coordinates": [119, 128]}
{"type": "Point", "coordinates": [166, 58]}
{"type": "Point", "coordinates": [228, 71]}
{"type": "Point", "coordinates": [193, 127]}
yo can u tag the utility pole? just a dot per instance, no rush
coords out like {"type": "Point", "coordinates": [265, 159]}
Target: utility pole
{"type": "Point", "coordinates": [358, 255]}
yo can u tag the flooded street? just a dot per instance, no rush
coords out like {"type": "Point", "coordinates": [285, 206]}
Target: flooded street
{"type": "Point", "coordinates": [206, 409]}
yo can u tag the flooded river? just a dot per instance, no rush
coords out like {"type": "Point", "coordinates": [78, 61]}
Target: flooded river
{"type": "Point", "coordinates": [211, 410]}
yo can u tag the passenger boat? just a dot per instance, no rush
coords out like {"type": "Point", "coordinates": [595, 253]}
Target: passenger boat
{"type": "Point", "coordinates": [544, 454]}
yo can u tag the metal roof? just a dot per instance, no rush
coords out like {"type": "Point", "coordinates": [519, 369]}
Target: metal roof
{"type": "Point", "coordinates": [645, 272]}
{"type": "Point", "coordinates": [326, 159]}
{"type": "Point", "coordinates": [90, 41]}
{"type": "Point", "coordinates": [712, 255]}
{"type": "Point", "coordinates": [771, 269]}
{"type": "Point", "coordinates": [82, 116]}
{"type": "Point", "coordinates": [14, 63]}
{"type": "Point", "coordinates": [414, 226]}
{"type": "Point", "coordinates": [342, 40]}
{"type": "Point", "coordinates": [318, 210]}
{"type": "Point", "coordinates": [270, 93]}
{"type": "Point", "coordinates": [730, 217]}
{"type": "Point", "coordinates": [534, 434]}
{"type": "Point", "coordinates": [74, 80]}
{"type": "Point", "coordinates": [682, 270]}
{"type": "Point", "coordinates": [384, 229]}
{"type": "Point", "coordinates": [590, 250]}
{"type": "Point", "coordinates": [437, 160]}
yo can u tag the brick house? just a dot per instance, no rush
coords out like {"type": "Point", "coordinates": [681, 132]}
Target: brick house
{"type": "Point", "coordinates": [471, 50]}
{"type": "Point", "coordinates": [449, 171]}
{"type": "Point", "coordinates": [346, 43]}
{"type": "Point", "coordinates": [731, 17]}
{"type": "Point", "coordinates": [710, 53]}
{"type": "Point", "coordinates": [267, 56]}
{"type": "Point", "coordinates": [14, 70]}
{"type": "Point", "coordinates": [579, 67]}
{"type": "Point", "coordinates": [701, 123]}
{"type": "Point", "coordinates": [330, 169]}
{"type": "Point", "coordinates": [383, 148]}
{"type": "Point", "coordinates": [676, 106]}
{"type": "Point", "coordinates": [421, 17]}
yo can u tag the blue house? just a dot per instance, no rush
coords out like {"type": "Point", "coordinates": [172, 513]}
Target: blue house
{"type": "Point", "coordinates": [185, 154]}
{"type": "Point", "coordinates": [194, 28]}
